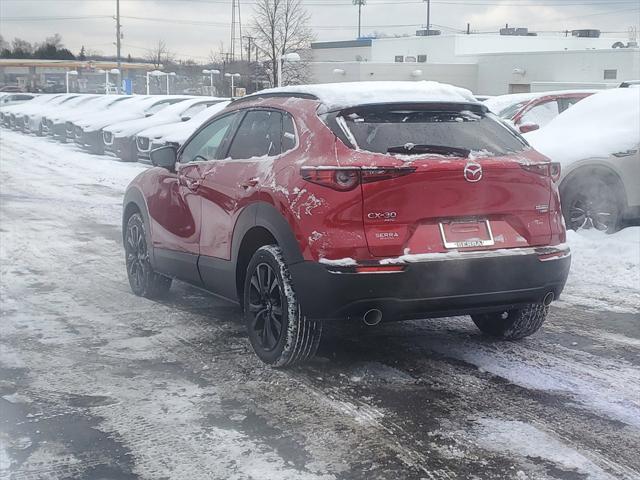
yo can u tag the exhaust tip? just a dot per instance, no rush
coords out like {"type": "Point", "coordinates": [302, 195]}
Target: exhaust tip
{"type": "Point", "coordinates": [548, 298]}
{"type": "Point", "coordinates": [372, 317]}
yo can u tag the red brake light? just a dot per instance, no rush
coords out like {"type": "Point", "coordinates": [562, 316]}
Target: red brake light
{"type": "Point", "coordinates": [345, 179]}
{"type": "Point", "coordinates": [551, 169]}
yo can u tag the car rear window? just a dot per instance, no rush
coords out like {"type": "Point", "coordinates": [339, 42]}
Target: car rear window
{"type": "Point", "coordinates": [445, 129]}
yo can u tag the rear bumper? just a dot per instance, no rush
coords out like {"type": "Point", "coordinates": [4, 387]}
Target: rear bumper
{"type": "Point", "coordinates": [431, 288]}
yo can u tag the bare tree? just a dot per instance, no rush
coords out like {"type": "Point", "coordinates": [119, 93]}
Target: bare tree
{"type": "Point", "coordinates": [159, 55]}
{"type": "Point", "coordinates": [281, 27]}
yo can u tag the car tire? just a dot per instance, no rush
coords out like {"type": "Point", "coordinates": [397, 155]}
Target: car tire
{"type": "Point", "coordinates": [513, 324]}
{"type": "Point", "coordinates": [144, 281]}
{"type": "Point", "coordinates": [591, 202]}
{"type": "Point", "coordinates": [280, 334]}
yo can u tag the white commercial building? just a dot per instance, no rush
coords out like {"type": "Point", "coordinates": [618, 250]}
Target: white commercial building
{"type": "Point", "coordinates": [486, 64]}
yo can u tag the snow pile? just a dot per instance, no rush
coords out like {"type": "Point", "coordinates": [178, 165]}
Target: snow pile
{"type": "Point", "coordinates": [598, 126]}
{"type": "Point", "coordinates": [605, 270]}
{"type": "Point", "coordinates": [347, 94]}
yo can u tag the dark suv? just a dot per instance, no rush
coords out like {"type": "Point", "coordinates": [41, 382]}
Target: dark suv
{"type": "Point", "coordinates": [339, 202]}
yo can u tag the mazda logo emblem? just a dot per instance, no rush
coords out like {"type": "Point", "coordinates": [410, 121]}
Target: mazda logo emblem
{"type": "Point", "coordinates": [473, 172]}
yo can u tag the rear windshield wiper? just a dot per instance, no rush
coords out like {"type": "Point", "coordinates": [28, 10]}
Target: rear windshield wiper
{"type": "Point", "coordinates": [411, 148]}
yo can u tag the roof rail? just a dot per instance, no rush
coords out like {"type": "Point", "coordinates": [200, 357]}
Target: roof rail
{"type": "Point", "coordinates": [257, 95]}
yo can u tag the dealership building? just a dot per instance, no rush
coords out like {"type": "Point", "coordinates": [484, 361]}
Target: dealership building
{"type": "Point", "coordinates": [512, 62]}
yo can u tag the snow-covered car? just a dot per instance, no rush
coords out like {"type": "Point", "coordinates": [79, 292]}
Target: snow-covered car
{"type": "Point", "coordinates": [55, 123]}
{"type": "Point", "coordinates": [527, 112]}
{"type": "Point", "coordinates": [88, 130]}
{"type": "Point", "coordinates": [9, 114]}
{"type": "Point", "coordinates": [120, 138]}
{"type": "Point", "coordinates": [15, 98]}
{"type": "Point", "coordinates": [33, 121]}
{"type": "Point", "coordinates": [30, 121]}
{"type": "Point", "coordinates": [174, 133]}
{"type": "Point", "coordinates": [597, 142]}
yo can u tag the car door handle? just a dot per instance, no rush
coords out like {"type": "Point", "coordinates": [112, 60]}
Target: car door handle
{"type": "Point", "coordinates": [251, 183]}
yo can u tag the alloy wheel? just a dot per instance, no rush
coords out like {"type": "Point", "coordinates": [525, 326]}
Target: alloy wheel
{"type": "Point", "coordinates": [136, 251]}
{"type": "Point", "coordinates": [266, 306]}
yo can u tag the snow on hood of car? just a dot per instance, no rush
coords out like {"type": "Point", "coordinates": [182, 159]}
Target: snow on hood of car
{"type": "Point", "coordinates": [598, 126]}
{"type": "Point", "coordinates": [347, 94]}
{"type": "Point", "coordinates": [168, 115]}
{"type": "Point", "coordinates": [181, 132]}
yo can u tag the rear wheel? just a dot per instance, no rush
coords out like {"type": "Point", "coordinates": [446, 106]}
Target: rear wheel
{"type": "Point", "coordinates": [144, 281]}
{"type": "Point", "coordinates": [280, 335]}
{"type": "Point", "coordinates": [591, 203]}
{"type": "Point", "coordinates": [513, 324]}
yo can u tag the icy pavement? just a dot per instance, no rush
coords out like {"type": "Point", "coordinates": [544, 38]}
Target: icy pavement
{"type": "Point", "coordinates": [96, 383]}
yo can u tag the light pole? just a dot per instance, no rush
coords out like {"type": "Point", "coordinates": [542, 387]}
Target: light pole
{"type": "Point", "coordinates": [113, 71]}
{"type": "Point", "coordinates": [232, 76]}
{"type": "Point", "coordinates": [287, 57]}
{"type": "Point", "coordinates": [211, 73]}
{"type": "Point", "coordinates": [428, 15]}
{"type": "Point", "coordinates": [70, 72]}
{"type": "Point", "coordinates": [153, 73]}
{"type": "Point", "coordinates": [169, 74]}
{"type": "Point", "coordinates": [359, 3]}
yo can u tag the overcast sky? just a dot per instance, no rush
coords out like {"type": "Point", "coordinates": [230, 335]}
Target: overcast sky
{"type": "Point", "coordinates": [193, 28]}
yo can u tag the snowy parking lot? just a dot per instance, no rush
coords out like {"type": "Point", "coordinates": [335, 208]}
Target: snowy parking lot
{"type": "Point", "coordinates": [97, 383]}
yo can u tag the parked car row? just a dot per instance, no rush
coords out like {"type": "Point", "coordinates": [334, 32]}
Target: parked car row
{"type": "Point", "coordinates": [107, 123]}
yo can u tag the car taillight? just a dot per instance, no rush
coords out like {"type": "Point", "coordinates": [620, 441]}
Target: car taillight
{"type": "Point", "coordinates": [345, 179]}
{"type": "Point", "coordinates": [552, 169]}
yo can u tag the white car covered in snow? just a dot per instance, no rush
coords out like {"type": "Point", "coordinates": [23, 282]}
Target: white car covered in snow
{"type": "Point", "coordinates": [597, 142]}
{"type": "Point", "coordinates": [175, 133]}
{"type": "Point", "coordinates": [120, 138]}
{"type": "Point", "coordinates": [88, 130]}
{"type": "Point", "coordinates": [12, 115]}
{"type": "Point", "coordinates": [55, 122]}
{"type": "Point", "coordinates": [32, 122]}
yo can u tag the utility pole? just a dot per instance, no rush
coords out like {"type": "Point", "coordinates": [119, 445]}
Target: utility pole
{"type": "Point", "coordinates": [249, 45]}
{"type": "Point", "coordinates": [118, 45]}
{"type": "Point", "coordinates": [428, 15]}
{"type": "Point", "coordinates": [359, 3]}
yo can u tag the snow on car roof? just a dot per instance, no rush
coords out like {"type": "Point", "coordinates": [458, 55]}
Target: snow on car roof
{"type": "Point", "coordinates": [335, 96]}
{"type": "Point", "coordinates": [598, 126]}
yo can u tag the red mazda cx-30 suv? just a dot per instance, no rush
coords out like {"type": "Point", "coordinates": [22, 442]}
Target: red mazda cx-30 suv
{"type": "Point", "coordinates": [367, 201]}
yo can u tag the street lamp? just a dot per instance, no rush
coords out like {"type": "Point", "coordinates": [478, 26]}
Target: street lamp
{"type": "Point", "coordinates": [287, 57]}
{"type": "Point", "coordinates": [70, 72]}
{"type": "Point", "coordinates": [153, 73]}
{"type": "Point", "coordinates": [232, 76]}
{"type": "Point", "coordinates": [169, 74]}
{"type": "Point", "coordinates": [211, 73]}
{"type": "Point", "coordinates": [113, 71]}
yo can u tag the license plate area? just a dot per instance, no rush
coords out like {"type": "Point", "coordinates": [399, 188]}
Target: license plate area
{"type": "Point", "coordinates": [468, 233]}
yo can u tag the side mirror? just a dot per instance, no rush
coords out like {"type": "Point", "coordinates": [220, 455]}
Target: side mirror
{"type": "Point", "coordinates": [529, 127]}
{"type": "Point", "coordinates": [164, 157]}
{"type": "Point", "coordinates": [147, 115]}
{"type": "Point", "coordinates": [185, 119]}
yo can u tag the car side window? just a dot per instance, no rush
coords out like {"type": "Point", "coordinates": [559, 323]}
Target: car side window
{"type": "Point", "coordinates": [259, 135]}
{"type": "Point", "coordinates": [288, 133]}
{"type": "Point", "coordinates": [541, 114]}
{"type": "Point", "coordinates": [194, 110]}
{"type": "Point", "coordinates": [156, 108]}
{"type": "Point", "coordinates": [205, 145]}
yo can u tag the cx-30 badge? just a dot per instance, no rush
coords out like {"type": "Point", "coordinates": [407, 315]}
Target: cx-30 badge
{"type": "Point", "coordinates": [473, 172]}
